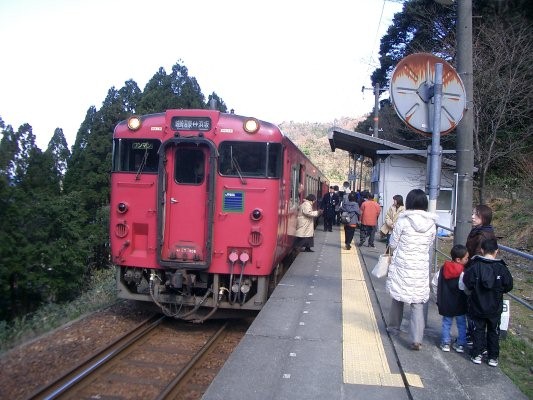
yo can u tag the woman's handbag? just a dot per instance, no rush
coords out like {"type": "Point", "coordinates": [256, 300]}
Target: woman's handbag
{"type": "Point", "coordinates": [382, 267]}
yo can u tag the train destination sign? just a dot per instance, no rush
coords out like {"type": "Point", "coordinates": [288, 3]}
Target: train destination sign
{"type": "Point", "coordinates": [190, 123]}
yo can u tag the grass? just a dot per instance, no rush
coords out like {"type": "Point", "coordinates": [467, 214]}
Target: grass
{"type": "Point", "coordinates": [102, 292]}
{"type": "Point", "coordinates": [516, 361]}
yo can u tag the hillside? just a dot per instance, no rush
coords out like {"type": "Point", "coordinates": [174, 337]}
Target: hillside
{"type": "Point", "coordinates": [312, 139]}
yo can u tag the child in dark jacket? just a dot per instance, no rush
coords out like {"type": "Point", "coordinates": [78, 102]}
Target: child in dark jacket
{"type": "Point", "coordinates": [487, 279]}
{"type": "Point", "coordinates": [451, 301]}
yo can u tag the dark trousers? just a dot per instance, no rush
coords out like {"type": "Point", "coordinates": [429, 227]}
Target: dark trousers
{"type": "Point", "coordinates": [486, 335]}
{"type": "Point", "coordinates": [367, 231]}
{"type": "Point", "coordinates": [349, 232]}
{"type": "Point", "coordinates": [328, 221]}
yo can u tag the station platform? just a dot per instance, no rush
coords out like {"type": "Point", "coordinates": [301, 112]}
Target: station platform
{"type": "Point", "coordinates": [322, 334]}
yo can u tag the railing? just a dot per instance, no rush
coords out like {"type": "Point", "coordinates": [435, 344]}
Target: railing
{"type": "Point", "coordinates": [436, 265]}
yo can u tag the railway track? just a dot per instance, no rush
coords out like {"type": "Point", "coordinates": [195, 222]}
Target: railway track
{"type": "Point", "coordinates": [159, 359]}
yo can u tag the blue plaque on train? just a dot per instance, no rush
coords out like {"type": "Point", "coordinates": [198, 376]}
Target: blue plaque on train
{"type": "Point", "coordinates": [233, 201]}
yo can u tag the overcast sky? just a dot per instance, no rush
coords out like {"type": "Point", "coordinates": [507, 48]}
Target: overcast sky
{"type": "Point", "coordinates": [277, 60]}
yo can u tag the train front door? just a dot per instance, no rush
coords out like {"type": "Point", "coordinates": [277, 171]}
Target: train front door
{"type": "Point", "coordinates": [186, 200]}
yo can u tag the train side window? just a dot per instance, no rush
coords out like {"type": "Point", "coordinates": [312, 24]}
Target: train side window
{"type": "Point", "coordinates": [295, 183]}
{"type": "Point", "coordinates": [274, 160]}
{"type": "Point", "coordinates": [137, 156]}
{"type": "Point", "coordinates": [189, 166]}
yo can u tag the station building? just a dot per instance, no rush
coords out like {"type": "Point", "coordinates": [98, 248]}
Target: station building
{"type": "Point", "coordinates": [394, 169]}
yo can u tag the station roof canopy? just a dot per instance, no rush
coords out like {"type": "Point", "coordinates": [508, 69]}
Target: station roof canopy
{"type": "Point", "coordinates": [368, 146]}
{"type": "Point", "coordinates": [359, 143]}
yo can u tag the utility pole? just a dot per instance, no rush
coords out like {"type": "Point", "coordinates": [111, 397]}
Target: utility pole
{"type": "Point", "coordinates": [376, 91]}
{"type": "Point", "coordinates": [376, 110]}
{"type": "Point", "coordinates": [464, 148]}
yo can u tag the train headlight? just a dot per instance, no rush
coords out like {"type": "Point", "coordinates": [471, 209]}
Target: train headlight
{"type": "Point", "coordinates": [122, 207]}
{"type": "Point", "coordinates": [251, 125]}
{"type": "Point", "coordinates": [134, 123]}
{"type": "Point", "coordinates": [256, 214]}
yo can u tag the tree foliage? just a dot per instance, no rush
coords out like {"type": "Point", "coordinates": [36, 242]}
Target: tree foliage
{"type": "Point", "coordinates": [423, 26]}
{"type": "Point", "coordinates": [502, 52]}
{"type": "Point", "coordinates": [503, 100]}
{"type": "Point", "coordinates": [54, 205]}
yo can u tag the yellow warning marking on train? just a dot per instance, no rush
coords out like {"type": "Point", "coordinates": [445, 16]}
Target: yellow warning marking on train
{"type": "Point", "coordinates": [364, 358]}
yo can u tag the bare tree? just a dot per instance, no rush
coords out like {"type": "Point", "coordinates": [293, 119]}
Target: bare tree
{"type": "Point", "coordinates": [503, 81]}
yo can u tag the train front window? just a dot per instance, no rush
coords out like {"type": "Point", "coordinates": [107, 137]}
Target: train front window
{"type": "Point", "coordinates": [189, 165]}
{"type": "Point", "coordinates": [250, 159]}
{"type": "Point", "coordinates": [135, 155]}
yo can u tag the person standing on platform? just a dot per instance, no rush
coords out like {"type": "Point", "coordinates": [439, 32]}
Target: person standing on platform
{"type": "Point", "coordinates": [370, 211]}
{"type": "Point", "coordinates": [305, 225]}
{"type": "Point", "coordinates": [481, 230]}
{"type": "Point", "coordinates": [337, 219]}
{"type": "Point", "coordinates": [408, 277]}
{"type": "Point", "coordinates": [485, 282]}
{"type": "Point", "coordinates": [392, 215]}
{"type": "Point", "coordinates": [451, 300]}
{"type": "Point", "coordinates": [343, 197]}
{"type": "Point", "coordinates": [346, 191]}
{"type": "Point", "coordinates": [352, 208]}
{"type": "Point", "coordinates": [328, 205]}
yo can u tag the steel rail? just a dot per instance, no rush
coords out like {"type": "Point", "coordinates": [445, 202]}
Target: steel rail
{"type": "Point", "coordinates": [170, 391]}
{"type": "Point", "coordinates": [75, 375]}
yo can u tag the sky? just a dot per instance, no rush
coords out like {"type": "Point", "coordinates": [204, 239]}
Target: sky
{"type": "Point", "coordinates": [276, 60]}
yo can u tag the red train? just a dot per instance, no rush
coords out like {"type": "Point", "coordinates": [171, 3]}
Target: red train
{"type": "Point", "coordinates": [203, 209]}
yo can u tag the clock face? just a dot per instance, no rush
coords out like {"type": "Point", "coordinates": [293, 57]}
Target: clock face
{"type": "Point", "coordinates": [411, 93]}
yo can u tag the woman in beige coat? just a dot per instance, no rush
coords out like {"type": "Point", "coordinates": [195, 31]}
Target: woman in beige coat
{"type": "Point", "coordinates": [392, 215]}
{"type": "Point", "coordinates": [305, 225]}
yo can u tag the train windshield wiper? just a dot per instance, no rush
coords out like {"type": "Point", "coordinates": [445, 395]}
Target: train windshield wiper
{"type": "Point", "coordinates": [235, 165]}
{"type": "Point", "coordinates": [143, 164]}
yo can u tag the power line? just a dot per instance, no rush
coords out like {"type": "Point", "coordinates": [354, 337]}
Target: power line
{"type": "Point", "coordinates": [376, 37]}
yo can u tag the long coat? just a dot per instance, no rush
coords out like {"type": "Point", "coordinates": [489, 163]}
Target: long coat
{"type": "Point", "coordinates": [390, 218]}
{"type": "Point", "coordinates": [412, 236]}
{"type": "Point", "coordinates": [305, 226]}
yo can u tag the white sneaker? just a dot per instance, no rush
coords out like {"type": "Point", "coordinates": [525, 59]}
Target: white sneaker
{"type": "Point", "coordinates": [445, 347]}
{"type": "Point", "coordinates": [493, 362]}
{"type": "Point", "coordinates": [458, 348]}
{"type": "Point", "coordinates": [476, 359]}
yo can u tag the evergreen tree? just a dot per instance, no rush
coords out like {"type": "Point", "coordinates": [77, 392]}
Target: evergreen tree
{"type": "Point", "coordinates": [423, 26]}
{"type": "Point", "coordinates": [174, 91]}
{"type": "Point", "coordinates": [59, 152]}
{"type": "Point", "coordinates": [220, 105]}
{"type": "Point", "coordinates": [8, 150]}
{"type": "Point", "coordinates": [54, 205]}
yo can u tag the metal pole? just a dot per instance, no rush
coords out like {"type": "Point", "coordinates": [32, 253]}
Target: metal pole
{"type": "Point", "coordinates": [465, 154]}
{"type": "Point", "coordinates": [435, 152]}
{"type": "Point", "coordinates": [376, 110]}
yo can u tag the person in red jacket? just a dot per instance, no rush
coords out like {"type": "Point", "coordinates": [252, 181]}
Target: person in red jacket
{"type": "Point", "coordinates": [451, 301]}
{"type": "Point", "coordinates": [370, 211]}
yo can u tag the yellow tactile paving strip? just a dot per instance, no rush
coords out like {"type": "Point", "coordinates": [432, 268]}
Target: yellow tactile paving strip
{"type": "Point", "coordinates": [364, 359]}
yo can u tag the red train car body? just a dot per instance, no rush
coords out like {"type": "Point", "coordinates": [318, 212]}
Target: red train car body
{"type": "Point", "coordinates": [203, 209]}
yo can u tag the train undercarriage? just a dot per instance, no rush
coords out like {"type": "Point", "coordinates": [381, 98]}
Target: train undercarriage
{"type": "Point", "coordinates": [197, 295]}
